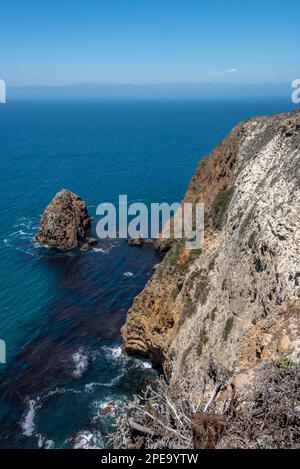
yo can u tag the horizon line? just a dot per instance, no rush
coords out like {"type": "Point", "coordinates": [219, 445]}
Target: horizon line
{"type": "Point", "coordinates": [199, 83]}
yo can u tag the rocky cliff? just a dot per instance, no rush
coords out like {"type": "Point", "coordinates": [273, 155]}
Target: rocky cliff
{"type": "Point", "coordinates": [64, 222]}
{"type": "Point", "coordinates": [235, 303]}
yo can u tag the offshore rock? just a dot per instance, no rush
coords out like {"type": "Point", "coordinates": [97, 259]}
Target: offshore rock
{"type": "Point", "coordinates": [65, 222]}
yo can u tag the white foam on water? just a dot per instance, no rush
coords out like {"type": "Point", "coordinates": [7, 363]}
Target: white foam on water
{"type": "Point", "coordinates": [113, 404]}
{"type": "Point", "coordinates": [40, 440]}
{"type": "Point", "coordinates": [146, 364]}
{"type": "Point", "coordinates": [43, 442]}
{"type": "Point", "coordinates": [38, 246]}
{"type": "Point", "coordinates": [103, 251]}
{"type": "Point", "coordinates": [111, 354]}
{"type": "Point", "coordinates": [57, 391]}
{"type": "Point", "coordinates": [106, 250]}
{"type": "Point", "coordinates": [87, 440]}
{"type": "Point", "coordinates": [80, 360]}
{"type": "Point", "coordinates": [90, 387]}
{"type": "Point", "coordinates": [114, 352]}
{"type": "Point", "coordinates": [28, 424]}
{"type": "Point", "coordinates": [25, 252]}
{"type": "Point", "coordinates": [49, 444]}
{"type": "Point", "coordinates": [19, 224]}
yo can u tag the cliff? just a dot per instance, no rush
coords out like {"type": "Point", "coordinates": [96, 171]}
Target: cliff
{"type": "Point", "coordinates": [233, 305]}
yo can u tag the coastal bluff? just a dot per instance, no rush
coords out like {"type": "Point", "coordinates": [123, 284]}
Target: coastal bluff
{"type": "Point", "coordinates": [65, 222]}
{"type": "Point", "coordinates": [235, 304]}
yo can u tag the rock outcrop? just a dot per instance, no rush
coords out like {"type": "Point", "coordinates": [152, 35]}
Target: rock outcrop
{"type": "Point", "coordinates": [234, 304]}
{"type": "Point", "coordinates": [65, 222]}
{"type": "Point", "coordinates": [139, 242]}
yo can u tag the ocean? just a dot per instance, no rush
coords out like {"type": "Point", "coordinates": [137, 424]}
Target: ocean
{"type": "Point", "coordinates": [61, 313]}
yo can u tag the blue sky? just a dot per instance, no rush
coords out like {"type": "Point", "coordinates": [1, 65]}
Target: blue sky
{"type": "Point", "coordinates": [131, 41]}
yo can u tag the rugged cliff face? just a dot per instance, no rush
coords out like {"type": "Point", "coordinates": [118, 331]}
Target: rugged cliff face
{"type": "Point", "coordinates": [64, 222]}
{"type": "Point", "coordinates": [235, 303]}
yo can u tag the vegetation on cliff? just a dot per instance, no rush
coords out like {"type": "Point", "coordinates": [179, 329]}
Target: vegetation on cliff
{"type": "Point", "coordinates": [266, 417]}
{"type": "Point", "coordinates": [236, 302]}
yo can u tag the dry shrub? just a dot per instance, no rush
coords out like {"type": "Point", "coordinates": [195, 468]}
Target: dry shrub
{"type": "Point", "coordinates": [268, 416]}
{"type": "Point", "coordinates": [160, 418]}
{"type": "Point", "coordinates": [208, 429]}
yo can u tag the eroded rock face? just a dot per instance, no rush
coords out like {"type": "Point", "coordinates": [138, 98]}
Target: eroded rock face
{"type": "Point", "coordinates": [236, 302]}
{"type": "Point", "coordinates": [65, 221]}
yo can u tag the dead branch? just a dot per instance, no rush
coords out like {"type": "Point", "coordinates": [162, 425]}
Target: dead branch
{"type": "Point", "coordinates": [140, 428]}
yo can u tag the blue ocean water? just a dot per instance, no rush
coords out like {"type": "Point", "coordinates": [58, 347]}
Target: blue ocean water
{"type": "Point", "coordinates": [61, 313]}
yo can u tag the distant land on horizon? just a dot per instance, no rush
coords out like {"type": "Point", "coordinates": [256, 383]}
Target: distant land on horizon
{"type": "Point", "coordinates": [151, 91]}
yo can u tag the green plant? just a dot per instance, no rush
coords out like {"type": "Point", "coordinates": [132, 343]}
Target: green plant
{"type": "Point", "coordinates": [202, 342]}
{"type": "Point", "coordinates": [189, 309]}
{"type": "Point", "coordinates": [174, 293]}
{"type": "Point", "coordinates": [211, 264]}
{"type": "Point", "coordinates": [220, 205]}
{"type": "Point", "coordinates": [246, 222]}
{"type": "Point", "coordinates": [202, 287]}
{"type": "Point", "coordinates": [185, 356]}
{"type": "Point", "coordinates": [172, 256]}
{"type": "Point", "coordinates": [201, 291]}
{"type": "Point", "coordinates": [251, 240]}
{"type": "Point", "coordinates": [228, 327]}
{"type": "Point", "coordinates": [213, 313]}
{"type": "Point", "coordinates": [224, 284]}
{"type": "Point", "coordinates": [195, 253]}
{"type": "Point", "coordinates": [284, 362]}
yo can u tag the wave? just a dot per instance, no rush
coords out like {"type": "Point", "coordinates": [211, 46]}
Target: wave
{"type": "Point", "coordinates": [23, 230]}
{"type": "Point", "coordinates": [114, 352]}
{"type": "Point", "coordinates": [28, 424]}
{"type": "Point", "coordinates": [90, 387]}
{"type": "Point", "coordinates": [102, 250]}
{"type": "Point", "coordinates": [81, 362]}
{"type": "Point", "coordinates": [58, 391]}
{"type": "Point", "coordinates": [108, 407]}
{"type": "Point", "coordinates": [22, 238]}
{"type": "Point", "coordinates": [87, 440]}
{"type": "Point", "coordinates": [43, 442]}
{"type": "Point", "coordinates": [106, 250]}
{"type": "Point", "coordinates": [146, 364]}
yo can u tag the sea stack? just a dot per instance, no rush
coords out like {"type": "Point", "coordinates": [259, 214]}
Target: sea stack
{"type": "Point", "coordinates": [65, 222]}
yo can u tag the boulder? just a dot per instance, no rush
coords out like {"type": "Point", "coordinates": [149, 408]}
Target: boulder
{"type": "Point", "coordinates": [139, 241]}
{"type": "Point", "coordinates": [110, 408]}
{"type": "Point", "coordinates": [92, 241]}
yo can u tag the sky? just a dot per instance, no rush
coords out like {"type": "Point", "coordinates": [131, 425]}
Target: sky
{"type": "Point", "coordinates": [149, 41]}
